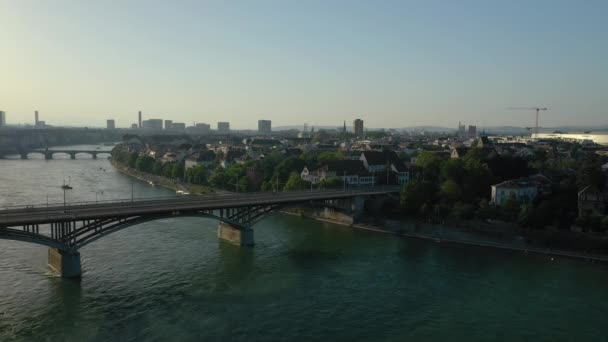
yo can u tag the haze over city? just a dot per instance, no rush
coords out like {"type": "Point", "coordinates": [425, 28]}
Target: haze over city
{"type": "Point", "coordinates": [393, 64]}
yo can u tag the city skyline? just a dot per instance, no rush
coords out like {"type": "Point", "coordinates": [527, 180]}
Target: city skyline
{"type": "Point", "coordinates": [393, 65]}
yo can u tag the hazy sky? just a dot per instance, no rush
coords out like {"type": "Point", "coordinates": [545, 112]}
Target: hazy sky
{"type": "Point", "coordinates": [391, 63]}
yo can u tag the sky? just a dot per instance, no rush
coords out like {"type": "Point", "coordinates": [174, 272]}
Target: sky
{"type": "Point", "coordinates": [391, 63]}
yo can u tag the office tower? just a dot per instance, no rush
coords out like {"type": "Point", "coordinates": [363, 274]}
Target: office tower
{"type": "Point", "coordinates": [223, 127]}
{"type": "Point", "coordinates": [358, 127]}
{"type": "Point", "coordinates": [110, 124]}
{"type": "Point", "coordinates": [140, 119]}
{"type": "Point", "coordinates": [264, 126]}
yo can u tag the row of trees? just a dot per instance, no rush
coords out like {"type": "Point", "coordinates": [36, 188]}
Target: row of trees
{"type": "Point", "coordinates": [275, 172]}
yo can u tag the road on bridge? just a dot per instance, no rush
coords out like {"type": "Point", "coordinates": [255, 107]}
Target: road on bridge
{"type": "Point", "coordinates": [32, 215]}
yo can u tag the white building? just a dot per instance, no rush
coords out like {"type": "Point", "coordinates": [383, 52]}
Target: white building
{"type": "Point", "coordinates": [524, 190]}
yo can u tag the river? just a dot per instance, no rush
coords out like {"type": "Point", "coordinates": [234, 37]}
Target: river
{"type": "Point", "coordinates": [172, 280]}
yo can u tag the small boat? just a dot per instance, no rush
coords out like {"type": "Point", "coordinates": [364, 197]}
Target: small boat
{"type": "Point", "coordinates": [152, 183]}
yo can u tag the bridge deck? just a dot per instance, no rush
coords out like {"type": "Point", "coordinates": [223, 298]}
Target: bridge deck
{"type": "Point", "coordinates": [127, 208]}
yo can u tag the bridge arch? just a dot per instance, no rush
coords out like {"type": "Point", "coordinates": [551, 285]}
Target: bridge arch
{"type": "Point", "coordinates": [70, 237]}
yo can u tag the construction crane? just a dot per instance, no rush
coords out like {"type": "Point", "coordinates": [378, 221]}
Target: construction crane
{"type": "Point", "coordinates": [537, 109]}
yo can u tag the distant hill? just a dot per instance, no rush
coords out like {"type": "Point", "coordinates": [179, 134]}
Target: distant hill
{"type": "Point", "coordinates": [510, 130]}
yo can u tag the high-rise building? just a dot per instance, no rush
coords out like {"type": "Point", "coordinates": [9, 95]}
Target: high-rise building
{"type": "Point", "coordinates": [472, 132]}
{"type": "Point", "coordinates": [36, 118]}
{"type": "Point", "coordinates": [152, 124]}
{"type": "Point", "coordinates": [177, 127]}
{"type": "Point", "coordinates": [344, 127]}
{"type": "Point", "coordinates": [139, 117]}
{"type": "Point", "coordinates": [134, 126]}
{"type": "Point", "coordinates": [462, 133]}
{"type": "Point", "coordinates": [202, 128]}
{"type": "Point", "coordinates": [168, 124]}
{"type": "Point", "coordinates": [264, 126]}
{"type": "Point", "coordinates": [358, 127]}
{"type": "Point", "coordinates": [223, 127]}
{"type": "Point", "coordinates": [110, 124]}
{"type": "Point", "coordinates": [2, 119]}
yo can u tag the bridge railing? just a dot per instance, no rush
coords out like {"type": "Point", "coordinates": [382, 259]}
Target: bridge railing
{"type": "Point", "coordinates": [209, 196]}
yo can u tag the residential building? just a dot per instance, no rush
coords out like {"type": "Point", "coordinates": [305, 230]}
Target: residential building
{"type": "Point", "coordinates": [401, 172]}
{"type": "Point", "coordinates": [459, 152]}
{"type": "Point", "coordinates": [152, 124]}
{"type": "Point", "coordinates": [2, 119]}
{"type": "Point", "coordinates": [523, 190]}
{"type": "Point", "coordinates": [134, 126]}
{"type": "Point", "coordinates": [592, 202]}
{"type": "Point", "coordinates": [358, 128]}
{"type": "Point", "coordinates": [168, 124]}
{"type": "Point", "coordinates": [378, 161]}
{"type": "Point", "coordinates": [110, 124]}
{"type": "Point", "coordinates": [352, 172]}
{"type": "Point", "coordinates": [223, 127]}
{"type": "Point", "coordinates": [264, 126]}
{"type": "Point", "coordinates": [202, 158]}
{"type": "Point", "coordinates": [139, 119]}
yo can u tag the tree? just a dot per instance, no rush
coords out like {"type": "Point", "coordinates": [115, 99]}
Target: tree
{"type": "Point", "coordinates": [168, 169]}
{"type": "Point", "coordinates": [158, 168]}
{"type": "Point", "coordinates": [326, 157]}
{"type": "Point", "coordinates": [219, 179]}
{"type": "Point", "coordinates": [266, 186]}
{"type": "Point", "coordinates": [178, 170]}
{"type": "Point", "coordinates": [294, 182]}
{"type": "Point", "coordinates": [145, 164]}
{"type": "Point", "coordinates": [417, 197]}
{"type": "Point", "coordinates": [450, 191]}
{"type": "Point", "coordinates": [511, 209]}
{"type": "Point", "coordinates": [132, 159]}
{"type": "Point", "coordinates": [464, 211]}
{"type": "Point", "coordinates": [333, 182]}
{"type": "Point", "coordinates": [453, 169]}
{"type": "Point", "coordinates": [197, 175]}
{"type": "Point", "coordinates": [430, 164]}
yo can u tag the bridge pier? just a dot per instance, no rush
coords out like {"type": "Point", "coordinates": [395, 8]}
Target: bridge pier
{"type": "Point", "coordinates": [48, 155]}
{"type": "Point", "coordinates": [234, 235]}
{"type": "Point", "coordinates": [23, 156]}
{"type": "Point", "coordinates": [72, 155]}
{"type": "Point", "coordinates": [65, 263]}
{"type": "Point", "coordinates": [94, 155]}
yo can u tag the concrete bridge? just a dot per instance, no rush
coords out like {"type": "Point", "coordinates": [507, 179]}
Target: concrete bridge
{"type": "Point", "coordinates": [67, 228]}
{"type": "Point", "coordinates": [48, 154]}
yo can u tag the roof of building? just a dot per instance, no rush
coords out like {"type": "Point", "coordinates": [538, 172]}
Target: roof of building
{"type": "Point", "coordinates": [202, 156]}
{"type": "Point", "coordinates": [344, 166]}
{"type": "Point", "coordinates": [517, 183]}
{"type": "Point", "coordinates": [380, 158]}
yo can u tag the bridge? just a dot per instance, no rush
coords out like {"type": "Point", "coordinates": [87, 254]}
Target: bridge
{"type": "Point", "coordinates": [67, 228]}
{"type": "Point", "coordinates": [48, 154]}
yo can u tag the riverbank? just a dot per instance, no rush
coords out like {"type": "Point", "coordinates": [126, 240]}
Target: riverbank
{"type": "Point", "coordinates": [184, 188]}
{"type": "Point", "coordinates": [498, 235]}
{"type": "Point", "coordinates": [487, 244]}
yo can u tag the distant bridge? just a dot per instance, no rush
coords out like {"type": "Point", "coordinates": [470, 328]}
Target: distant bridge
{"type": "Point", "coordinates": [48, 154]}
{"type": "Point", "coordinates": [65, 229]}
